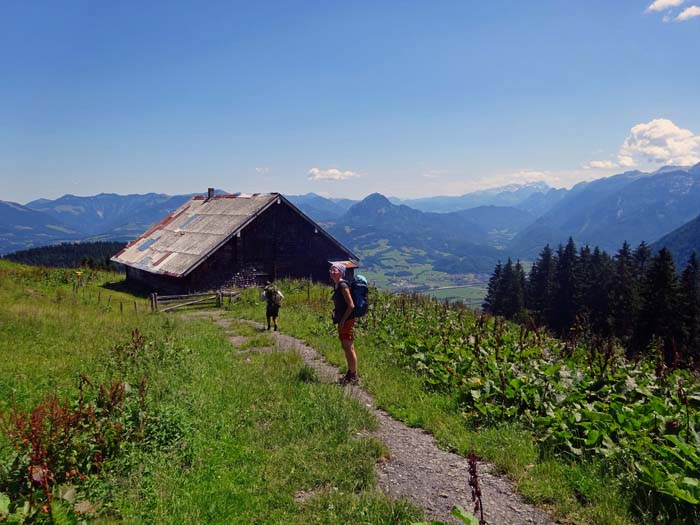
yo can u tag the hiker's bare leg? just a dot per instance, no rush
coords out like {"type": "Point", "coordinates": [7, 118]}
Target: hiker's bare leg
{"type": "Point", "coordinates": [350, 355]}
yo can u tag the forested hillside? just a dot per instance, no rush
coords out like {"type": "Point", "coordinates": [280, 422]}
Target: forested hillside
{"type": "Point", "coordinates": [70, 255]}
{"type": "Point", "coordinates": [635, 299]}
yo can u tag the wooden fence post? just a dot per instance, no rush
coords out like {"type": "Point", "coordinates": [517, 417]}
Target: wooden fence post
{"type": "Point", "coordinates": [136, 307]}
{"type": "Point", "coordinates": [155, 300]}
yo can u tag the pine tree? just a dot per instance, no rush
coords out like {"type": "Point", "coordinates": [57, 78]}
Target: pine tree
{"type": "Point", "coordinates": [584, 280]}
{"type": "Point", "coordinates": [541, 286]}
{"type": "Point", "coordinates": [514, 290]}
{"type": "Point", "coordinates": [492, 301]}
{"type": "Point", "coordinates": [624, 297]}
{"type": "Point", "coordinates": [658, 317]}
{"type": "Point", "coordinates": [511, 288]}
{"type": "Point", "coordinates": [690, 309]}
{"type": "Point", "coordinates": [565, 306]}
{"type": "Point", "coordinates": [522, 286]}
{"type": "Point", "coordinates": [642, 258]}
{"type": "Point", "coordinates": [598, 299]}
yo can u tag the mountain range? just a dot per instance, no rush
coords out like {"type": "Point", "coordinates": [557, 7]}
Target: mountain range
{"type": "Point", "coordinates": [22, 227]}
{"type": "Point", "coordinates": [632, 206]}
{"type": "Point", "coordinates": [119, 217]}
{"type": "Point", "coordinates": [511, 195]}
{"type": "Point", "coordinates": [467, 233]}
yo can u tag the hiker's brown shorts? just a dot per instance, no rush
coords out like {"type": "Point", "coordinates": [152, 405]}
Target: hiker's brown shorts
{"type": "Point", "coordinates": [347, 331]}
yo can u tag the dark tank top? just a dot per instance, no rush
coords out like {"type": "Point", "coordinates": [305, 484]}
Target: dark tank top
{"type": "Point", "coordinates": [339, 302]}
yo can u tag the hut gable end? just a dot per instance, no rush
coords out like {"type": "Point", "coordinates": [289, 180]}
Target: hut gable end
{"type": "Point", "coordinates": [213, 242]}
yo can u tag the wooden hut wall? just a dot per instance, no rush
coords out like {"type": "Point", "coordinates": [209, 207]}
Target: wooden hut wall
{"type": "Point", "coordinates": [160, 283]}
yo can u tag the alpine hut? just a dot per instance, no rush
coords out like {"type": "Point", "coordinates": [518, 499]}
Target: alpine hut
{"type": "Point", "coordinates": [214, 241]}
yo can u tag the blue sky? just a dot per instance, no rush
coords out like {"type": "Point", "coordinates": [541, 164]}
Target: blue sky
{"type": "Point", "coordinates": [342, 98]}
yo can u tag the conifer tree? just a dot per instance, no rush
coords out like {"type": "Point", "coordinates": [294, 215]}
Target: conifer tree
{"type": "Point", "coordinates": [658, 316]}
{"type": "Point", "coordinates": [511, 292]}
{"type": "Point", "coordinates": [514, 290]}
{"type": "Point", "coordinates": [624, 297]}
{"type": "Point", "coordinates": [492, 301]}
{"type": "Point", "coordinates": [541, 286]}
{"type": "Point", "coordinates": [598, 299]}
{"type": "Point", "coordinates": [642, 258]}
{"type": "Point", "coordinates": [584, 280]}
{"type": "Point", "coordinates": [690, 309]}
{"type": "Point", "coordinates": [565, 307]}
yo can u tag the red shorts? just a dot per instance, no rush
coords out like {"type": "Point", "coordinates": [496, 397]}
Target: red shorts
{"type": "Point", "coordinates": [347, 332]}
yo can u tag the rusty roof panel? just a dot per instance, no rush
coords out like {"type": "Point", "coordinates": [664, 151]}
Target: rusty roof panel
{"type": "Point", "coordinates": [181, 241]}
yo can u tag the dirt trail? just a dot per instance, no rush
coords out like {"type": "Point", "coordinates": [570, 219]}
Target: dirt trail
{"type": "Point", "coordinates": [418, 470]}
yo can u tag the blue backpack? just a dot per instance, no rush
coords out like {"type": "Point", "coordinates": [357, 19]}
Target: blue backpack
{"type": "Point", "coordinates": [359, 291]}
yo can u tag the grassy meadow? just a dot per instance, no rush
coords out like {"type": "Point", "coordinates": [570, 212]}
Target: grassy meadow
{"type": "Point", "coordinates": [159, 419]}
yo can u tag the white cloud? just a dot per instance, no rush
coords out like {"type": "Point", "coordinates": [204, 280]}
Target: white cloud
{"type": "Point", "coordinates": [662, 5]}
{"type": "Point", "coordinates": [262, 170]}
{"type": "Point", "coordinates": [317, 174]}
{"type": "Point", "coordinates": [659, 141]}
{"type": "Point", "coordinates": [600, 165]}
{"type": "Point", "coordinates": [688, 13]}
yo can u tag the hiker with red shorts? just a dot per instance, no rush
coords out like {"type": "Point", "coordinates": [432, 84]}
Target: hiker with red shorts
{"type": "Point", "coordinates": [343, 307]}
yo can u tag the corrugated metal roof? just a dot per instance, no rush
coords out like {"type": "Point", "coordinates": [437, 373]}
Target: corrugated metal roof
{"type": "Point", "coordinates": [178, 243]}
{"type": "Point", "coordinates": [185, 238]}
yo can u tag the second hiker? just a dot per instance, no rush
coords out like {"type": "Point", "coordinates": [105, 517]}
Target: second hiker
{"type": "Point", "coordinates": [273, 298]}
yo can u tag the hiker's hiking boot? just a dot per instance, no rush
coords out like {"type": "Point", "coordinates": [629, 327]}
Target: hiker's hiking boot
{"type": "Point", "coordinates": [351, 378]}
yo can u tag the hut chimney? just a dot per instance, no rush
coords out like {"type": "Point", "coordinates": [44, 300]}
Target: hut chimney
{"type": "Point", "coordinates": [210, 193]}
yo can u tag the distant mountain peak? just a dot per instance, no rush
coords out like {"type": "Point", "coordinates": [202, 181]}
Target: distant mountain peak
{"type": "Point", "coordinates": [669, 168]}
{"type": "Point", "coordinates": [376, 198]}
{"type": "Point", "coordinates": [372, 205]}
